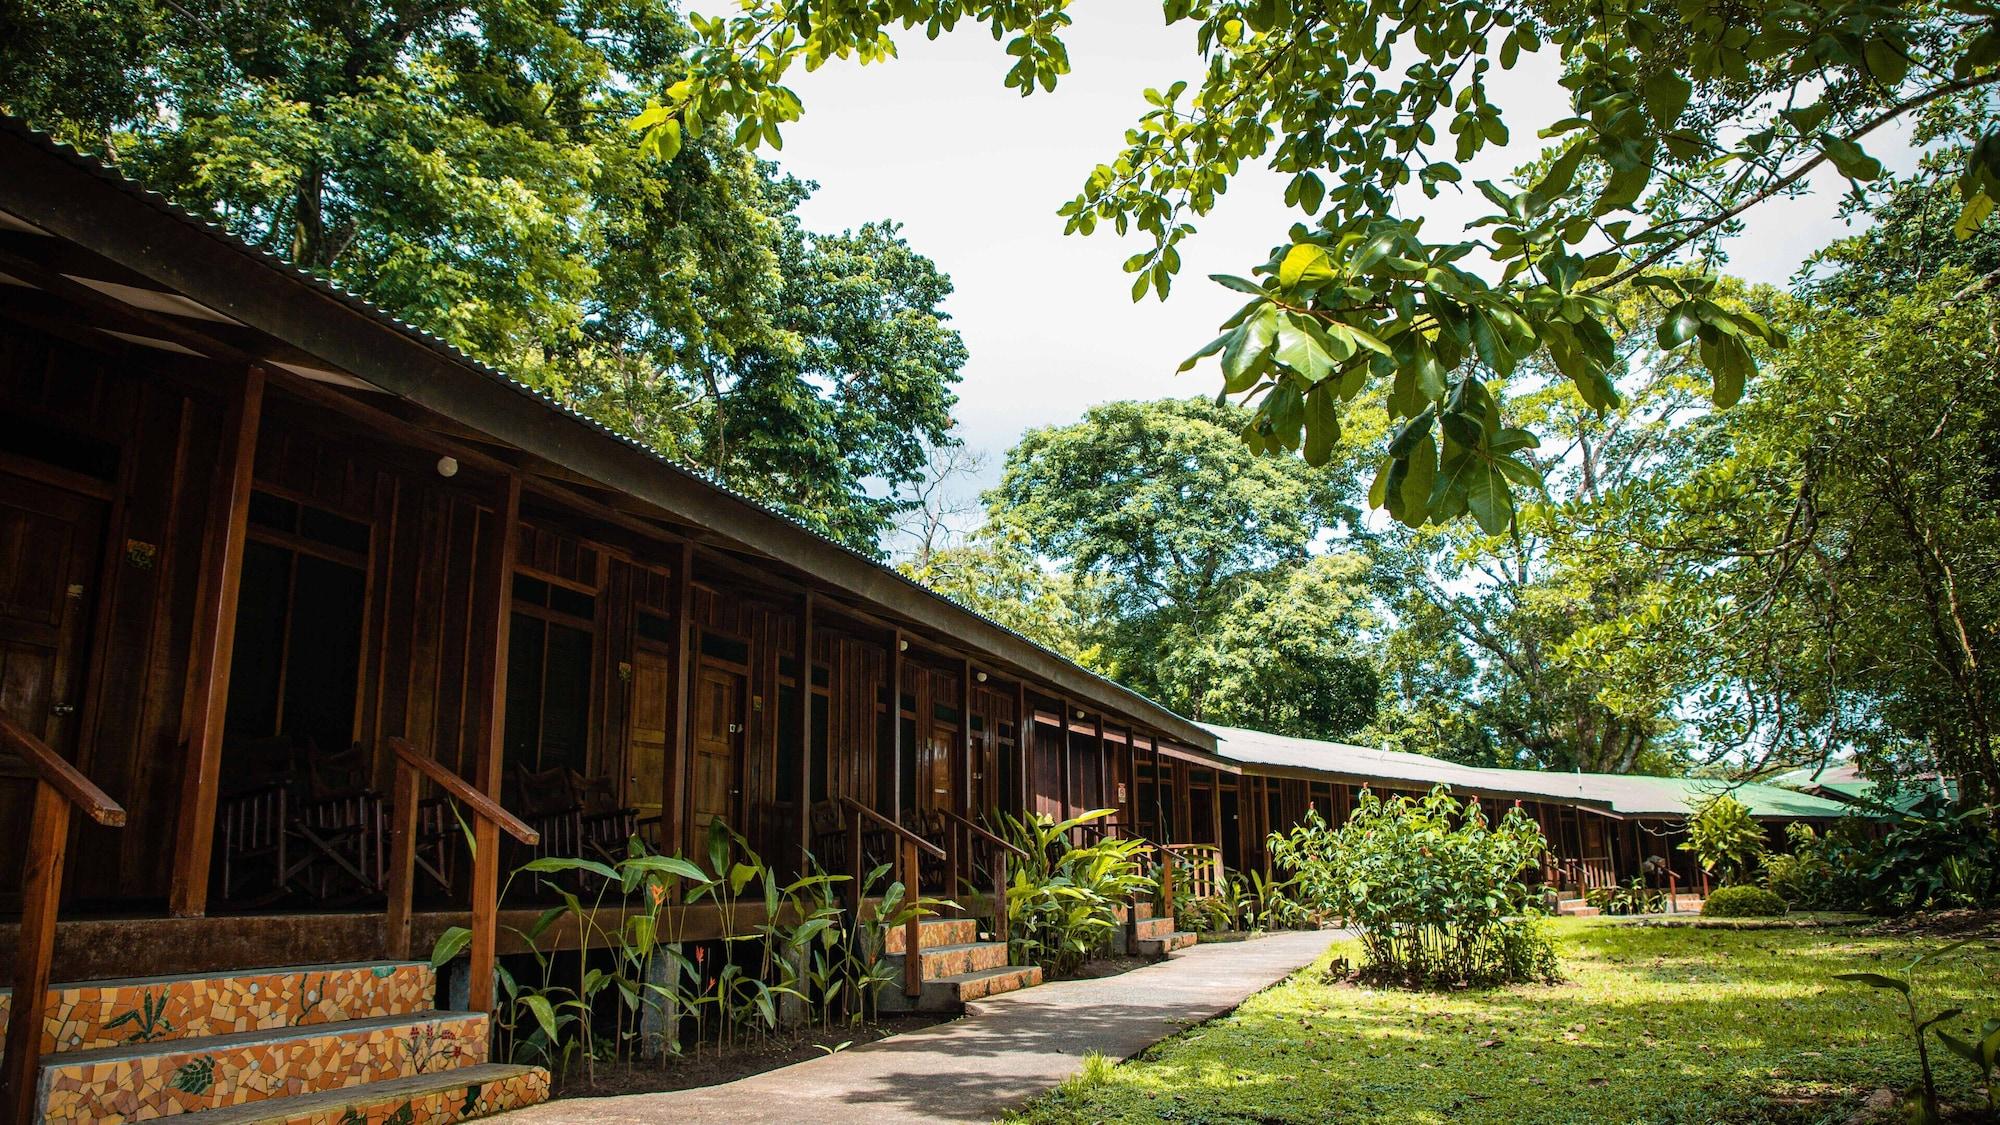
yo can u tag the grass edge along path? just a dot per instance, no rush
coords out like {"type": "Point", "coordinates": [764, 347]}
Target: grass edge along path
{"type": "Point", "coordinates": [1653, 1024]}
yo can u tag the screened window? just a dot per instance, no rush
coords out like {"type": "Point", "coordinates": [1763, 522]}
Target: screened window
{"type": "Point", "coordinates": [549, 676]}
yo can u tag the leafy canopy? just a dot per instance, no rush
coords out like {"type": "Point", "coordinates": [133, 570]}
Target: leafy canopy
{"type": "Point", "coordinates": [1684, 116]}
{"type": "Point", "coordinates": [466, 164]}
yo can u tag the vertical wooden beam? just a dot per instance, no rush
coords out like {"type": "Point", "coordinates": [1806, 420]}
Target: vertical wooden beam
{"type": "Point", "coordinates": [673, 810]}
{"type": "Point", "coordinates": [1104, 794]}
{"type": "Point", "coordinates": [404, 793]}
{"type": "Point", "coordinates": [1131, 802]}
{"type": "Point", "coordinates": [968, 783]}
{"type": "Point", "coordinates": [1068, 767]}
{"type": "Point", "coordinates": [41, 893]}
{"type": "Point", "coordinates": [214, 646]}
{"type": "Point", "coordinates": [497, 579]}
{"type": "Point", "coordinates": [1024, 745]}
{"type": "Point", "coordinates": [895, 812]}
{"type": "Point", "coordinates": [806, 730]}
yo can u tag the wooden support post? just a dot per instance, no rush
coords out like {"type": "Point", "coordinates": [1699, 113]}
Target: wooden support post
{"type": "Point", "coordinates": [913, 950]}
{"type": "Point", "coordinates": [41, 894]}
{"type": "Point", "coordinates": [497, 579]}
{"type": "Point", "coordinates": [805, 731]}
{"type": "Point", "coordinates": [214, 647]}
{"type": "Point", "coordinates": [969, 784]}
{"type": "Point", "coordinates": [1024, 745]}
{"type": "Point", "coordinates": [1068, 779]}
{"type": "Point", "coordinates": [403, 797]}
{"type": "Point", "coordinates": [673, 806]}
{"type": "Point", "coordinates": [896, 727]}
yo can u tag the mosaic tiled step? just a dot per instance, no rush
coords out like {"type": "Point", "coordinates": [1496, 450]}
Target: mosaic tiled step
{"type": "Point", "coordinates": [950, 960]}
{"type": "Point", "coordinates": [1166, 943]}
{"type": "Point", "coordinates": [1151, 929]}
{"type": "Point", "coordinates": [931, 933]}
{"type": "Point", "coordinates": [425, 1099]}
{"type": "Point", "coordinates": [90, 1015]}
{"type": "Point", "coordinates": [946, 992]}
{"type": "Point", "coordinates": [137, 1081]}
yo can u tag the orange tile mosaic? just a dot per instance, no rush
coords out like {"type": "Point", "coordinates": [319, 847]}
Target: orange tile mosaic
{"type": "Point", "coordinates": [140, 1081]}
{"type": "Point", "coordinates": [98, 1014]}
{"type": "Point", "coordinates": [442, 1105]}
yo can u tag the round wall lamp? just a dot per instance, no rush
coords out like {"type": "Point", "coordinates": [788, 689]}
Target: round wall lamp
{"type": "Point", "coordinates": [447, 466]}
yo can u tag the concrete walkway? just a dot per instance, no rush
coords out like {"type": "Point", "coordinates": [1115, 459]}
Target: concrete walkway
{"type": "Point", "coordinates": [1005, 1051]}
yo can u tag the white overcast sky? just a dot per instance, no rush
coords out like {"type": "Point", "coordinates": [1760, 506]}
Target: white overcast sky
{"type": "Point", "coordinates": [975, 173]}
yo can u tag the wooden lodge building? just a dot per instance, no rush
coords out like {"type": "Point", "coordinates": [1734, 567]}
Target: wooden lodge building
{"type": "Point", "coordinates": [278, 573]}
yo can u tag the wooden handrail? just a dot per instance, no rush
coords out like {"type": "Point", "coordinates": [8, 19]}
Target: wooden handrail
{"type": "Point", "coordinates": [982, 833]}
{"type": "Point", "coordinates": [411, 766]}
{"type": "Point", "coordinates": [905, 834]}
{"type": "Point", "coordinates": [58, 788]}
{"type": "Point", "coordinates": [54, 769]}
{"type": "Point", "coordinates": [462, 789]}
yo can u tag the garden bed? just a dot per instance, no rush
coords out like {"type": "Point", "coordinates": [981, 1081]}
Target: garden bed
{"type": "Point", "coordinates": [716, 1065]}
{"type": "Point", "coordinates": [1650, 1024]}
{"type": "Point", "coordinates": [1806, 920]}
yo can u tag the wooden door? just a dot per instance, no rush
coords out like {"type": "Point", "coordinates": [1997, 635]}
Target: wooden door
{"type": "Point", "coordinates": [718, 743]}
{"type": "Point", "coordinates": [49, 542]}
{"type": "Point", "coordinates": [646, 748]}
{"type": "Point", "coordinates": [934, 776]}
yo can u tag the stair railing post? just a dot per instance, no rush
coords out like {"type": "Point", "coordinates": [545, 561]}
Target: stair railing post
{"type": "Point", "coordinates": [41, 892]}
{"type": "Point", "coordinates": [402, 862]}
{"type": "Point", "coordinates": [913, 953]}
{"type": "Point", "coordinates": [854, 867]}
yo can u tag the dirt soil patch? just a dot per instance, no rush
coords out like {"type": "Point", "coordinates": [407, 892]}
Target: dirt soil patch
{"type": "Point", "coordinates": [714, 1066]}
{"type": "Point", "coordinates": [1943, 923]}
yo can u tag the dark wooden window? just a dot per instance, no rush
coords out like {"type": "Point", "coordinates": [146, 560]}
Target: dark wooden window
{"type": "Point", "coordinates": [299, 618]}
{"type": "Point", "coordinates": [549, 676]}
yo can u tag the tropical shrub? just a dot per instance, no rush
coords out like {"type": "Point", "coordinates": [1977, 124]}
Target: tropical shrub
{"type": "Point", "coordinates": [1628, 898]}
{"type": "Point", "coordinates": [1063, 898]}
{"type": "Point", "coordinates": [1725, 838]}
{"type": "Point", "coordinates": [1933, 856]}
{"type": "Point", "coordinates": [1923, 1107]}
{"type": "Point", "coordinates": [1433, 886]}
{"type": "Point", "coordinates": [1742, 901]}
{"type": "Point", "coordinates": [1261, 903]}
{"type": "Point", "coordinates": [596, 999]}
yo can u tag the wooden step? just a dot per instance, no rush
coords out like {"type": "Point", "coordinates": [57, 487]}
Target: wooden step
{"type": "Point", "coordinates": [1576, 908]}
{"type": "Point", "coordinates": [136, 1081]}
{"type": "Point", "coordinates": [933, 932]}
{"type": "Point", "coordinates": [1169, 942]}
{"type": "Point", "coordinates": [423, 1099]}
{"type": "Point", "coordinates": [951, 960]}
{"type": "Point", "coordinates": [91, 1015]}
{"type": "Point", "coordinates": [952, 993]}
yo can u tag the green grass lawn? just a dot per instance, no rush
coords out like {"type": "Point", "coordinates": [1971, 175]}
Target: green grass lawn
{"type": "Point", "coordinates": [1652, 1024]}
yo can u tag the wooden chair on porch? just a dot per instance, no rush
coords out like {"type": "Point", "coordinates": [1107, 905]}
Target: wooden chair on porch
{"type": "Point", "coordinates": [312, 830]}
{"type": "Point", "coordinates": [577, 819]}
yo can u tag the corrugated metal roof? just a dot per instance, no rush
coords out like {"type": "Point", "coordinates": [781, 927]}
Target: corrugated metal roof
{"type": "Point", "coordinates": [1622, 794]}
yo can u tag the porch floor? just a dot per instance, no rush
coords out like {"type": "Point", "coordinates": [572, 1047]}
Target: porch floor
{"type": "Point", "coordinates": [1005, 1051]}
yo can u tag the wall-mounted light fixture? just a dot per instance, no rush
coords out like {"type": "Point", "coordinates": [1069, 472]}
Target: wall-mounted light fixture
{"type": "Point", "coordinates": [980, 676]}
{"type": "Point", "coordinates": [902, 646]}
{"type": "Point", "coordinates": [447, 466]}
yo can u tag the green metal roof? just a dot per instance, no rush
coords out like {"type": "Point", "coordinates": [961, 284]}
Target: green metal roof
{"type": "Point", "coordinates": [1619, 794]}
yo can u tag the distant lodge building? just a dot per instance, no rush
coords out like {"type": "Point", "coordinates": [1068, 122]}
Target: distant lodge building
{"type": "Point", "coordinates": [260, 543]}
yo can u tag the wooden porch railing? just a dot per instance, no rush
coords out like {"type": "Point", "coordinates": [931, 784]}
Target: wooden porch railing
{"type": "Point", "coordinates": [908, 872]}
{"type": "Point", "coordinates": [962, 828]}
{"type": "Point", "coordinates": [412, 766]}
{"type": "Point", "coordinates": [1204, 862]}
{"type": "Point", "coordinates": [58, 786]}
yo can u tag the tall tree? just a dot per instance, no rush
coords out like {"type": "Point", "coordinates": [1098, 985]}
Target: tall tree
{"type": "Point", "coordinates": [468, 166]}
{"type": "Point", "coordinates": [1188, 550]}
{"type": "Point", "coordinates": [1683, 119]}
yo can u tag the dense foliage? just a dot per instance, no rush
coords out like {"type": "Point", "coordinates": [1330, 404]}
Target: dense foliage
{"type": "Point", "coordinates": [1682, 120]}
{"type": "Point", "coordinates": [1724, 837]}
{"type": "Point", "coordinates": [1932, 856]}
{"type": "Point", "coordinates": [1434, 888]}
{"type": "Point", "coordinates": [468, 166]}
{"type": "Point", "coordinates": [1188, 565]}
{"type": "Point", "coordinates": [1063, 898]}
{"type": "Point", "coordinates": [1742, 901]}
